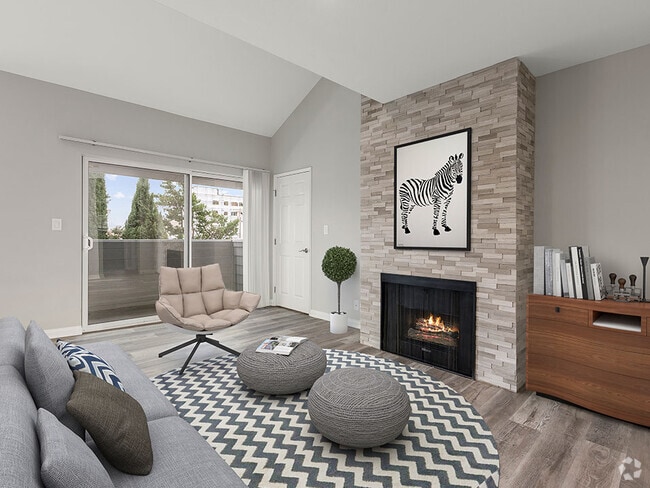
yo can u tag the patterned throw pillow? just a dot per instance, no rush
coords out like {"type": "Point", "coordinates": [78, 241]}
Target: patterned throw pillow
{"type": "Point", "coordinates": [80, 359]}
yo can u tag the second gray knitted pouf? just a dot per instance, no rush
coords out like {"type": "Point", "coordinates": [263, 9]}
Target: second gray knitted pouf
{"type": "Point", "coordinates": [359, 407]}
{"type": "Point", "coordinates": [276, 374]}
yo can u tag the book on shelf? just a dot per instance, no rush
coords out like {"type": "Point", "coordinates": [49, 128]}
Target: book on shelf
{"type": "Point", "coordinates": [581, 268]}
{"type": "Point", "coordinates": [538, 270]}
{"type": "Point", "coordinates": [557, 273]}
{"type": "Point", "coordinates": [564, 277]}
{"type": "Point", "coordinates": [280, 344]}
{"type": "Point", "coordinates": [548, 271]}
{"type": "Point", "coordinates": [569, 274]}
{"type": "Point", "coordinates": [589, 282]}
{"type": "Point", "coordinates": [575, 264]}
{"type": "Point", "coordinates": [600, 291]}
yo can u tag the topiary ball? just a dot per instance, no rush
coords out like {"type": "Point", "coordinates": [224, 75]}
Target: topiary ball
{"type": "Point", "coordinates": [339, 264]}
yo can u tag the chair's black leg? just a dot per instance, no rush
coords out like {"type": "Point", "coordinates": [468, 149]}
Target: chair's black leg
{"type": "Point", "coordinates": [176, 348]}
{"type": "Point", "coordinates": [197, 342]}
{"type": "Point", "coordinates": [187, 361]}
{"type": "Point", "coordinates": [221, 346]}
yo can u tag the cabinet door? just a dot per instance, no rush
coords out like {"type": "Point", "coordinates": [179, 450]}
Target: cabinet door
{"type": "Point", "coordinates": [559, 313]}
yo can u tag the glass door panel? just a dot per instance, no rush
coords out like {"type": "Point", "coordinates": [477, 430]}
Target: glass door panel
{"type": "Point", "coordinates": [217, 216]}
{"type": "Point", "coordinates": [135, 221]}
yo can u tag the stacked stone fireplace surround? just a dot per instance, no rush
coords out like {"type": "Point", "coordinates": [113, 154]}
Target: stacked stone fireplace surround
{"type": "Point", "coordinates": [498, 103]}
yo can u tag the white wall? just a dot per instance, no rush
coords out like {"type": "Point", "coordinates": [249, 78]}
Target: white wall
{"type": "Point", "coordinates": [323, 133]}
{"type": "Point", "coordinates": [592, 169]}
{"type": "Point", "coordinates": [41, 270]}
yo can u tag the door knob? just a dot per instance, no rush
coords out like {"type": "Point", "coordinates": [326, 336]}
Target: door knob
{"type": "Point", "coordinates": [305, 250]}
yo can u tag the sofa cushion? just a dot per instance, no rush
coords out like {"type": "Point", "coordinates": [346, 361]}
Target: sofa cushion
{"type": "Point", "coordinates": [213, 301]}
{"type": "Point", "coordinates": [82, 359]}
{"type": "Point", "coordinates": [136, 384]}
{"type": "Point", "coordinates": [66, 460]}
{"type": "Point", "coordinates": [190, 280]}
{"type": "Point", "coordinates": [211, 278]}
{"type": "Point", "coordinates": [48, 376]}
{"type": "Point", "coordinates": [231, 316]}
{"type": "Point", "coordinates": [249, 301]}
{"type": "Point", "coordinates": [182, 458]}
{"type": "Point", "coordinates": [167, 312]}
{"type": "Point", "coordinates": [12, 343]}
{"type": "Point", "coordinates": [193, 304]}
{"type": "Point", "coordinates": [21, 462]}
{"type": "Point", "coordinates": [231, 299]}
{"type": "Point", "coordinates": [169, 282]}
{"type": "Point", "coordinates": [115, 421]}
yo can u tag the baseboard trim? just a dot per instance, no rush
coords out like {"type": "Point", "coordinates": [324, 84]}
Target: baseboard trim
{"type": "Point", "coordinates": [63, 332]}
{"type": "Point", "coordinates": [355, 324]}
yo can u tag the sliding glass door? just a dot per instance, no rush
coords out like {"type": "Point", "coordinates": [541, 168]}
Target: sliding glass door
{"type": "Point", "coordinates": [138, 219]}
{"type": "Point", "coordinates": [217, 224]}
{"type": "Point", "coordinates": [135, 224]}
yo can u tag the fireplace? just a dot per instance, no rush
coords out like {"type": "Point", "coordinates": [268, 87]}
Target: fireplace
{"type": "Point", "coordinates": [429, 319]}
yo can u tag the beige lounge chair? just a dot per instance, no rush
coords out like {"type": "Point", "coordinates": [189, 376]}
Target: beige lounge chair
{"type": "Point", "coordinates": [196, 299]}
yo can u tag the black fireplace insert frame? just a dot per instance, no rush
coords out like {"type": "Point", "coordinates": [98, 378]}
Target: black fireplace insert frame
{"type": "Point", "coordinates": [390, 336]}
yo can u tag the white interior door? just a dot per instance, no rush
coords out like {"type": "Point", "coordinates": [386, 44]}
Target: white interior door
{"type": "Point", "coordinates": [292, 240]}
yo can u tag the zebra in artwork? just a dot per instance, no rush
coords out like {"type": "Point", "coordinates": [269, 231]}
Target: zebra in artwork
{"type": "Point", "coordinates": [436, 191]}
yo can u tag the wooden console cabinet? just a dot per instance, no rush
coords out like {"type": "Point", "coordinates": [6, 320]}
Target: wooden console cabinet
{"type": "Point", "coordinates": [600, 368]}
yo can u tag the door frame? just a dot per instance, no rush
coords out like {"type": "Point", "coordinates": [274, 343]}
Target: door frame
{"type": "Point", "coordinates": [276, 220]}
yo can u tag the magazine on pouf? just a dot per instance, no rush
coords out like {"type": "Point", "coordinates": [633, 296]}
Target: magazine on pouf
{"type": "Point", "coordinates": [280, 344]}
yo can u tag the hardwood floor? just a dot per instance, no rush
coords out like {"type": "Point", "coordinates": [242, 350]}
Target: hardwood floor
{"type": "Point", "coordinates": [542, 443]}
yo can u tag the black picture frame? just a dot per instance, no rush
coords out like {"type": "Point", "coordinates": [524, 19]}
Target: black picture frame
{"type": "Point", "coordinates": [426, 171]}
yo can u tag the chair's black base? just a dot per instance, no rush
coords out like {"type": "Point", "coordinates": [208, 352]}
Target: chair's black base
{"type": "Point", "coordinates": [197, 341]}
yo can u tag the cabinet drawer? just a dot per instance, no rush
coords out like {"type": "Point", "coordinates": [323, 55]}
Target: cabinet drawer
{"type": "Point", "coordinates": [559, 313]}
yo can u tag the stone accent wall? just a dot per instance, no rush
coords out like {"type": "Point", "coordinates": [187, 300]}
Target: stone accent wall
{"type": "Point", "coordinates": [525, 207]}
{"type": "Point", "coordinates": [498, 104]}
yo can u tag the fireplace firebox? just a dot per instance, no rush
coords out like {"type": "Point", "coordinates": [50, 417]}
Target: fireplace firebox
{"type": "Point", "coordinates": [430, 320]}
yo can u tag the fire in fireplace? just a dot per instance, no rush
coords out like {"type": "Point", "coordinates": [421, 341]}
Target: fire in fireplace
{"type": "Point", "coordinates": [429, 319]}
{"type": "Point", "coordinates": [433, 329]}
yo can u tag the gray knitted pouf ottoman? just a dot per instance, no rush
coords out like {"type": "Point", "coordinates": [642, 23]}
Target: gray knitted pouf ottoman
{"type": "Point", "coordinates": [359, 407]}
{"type": "Point", "coordinates": [276, 374]}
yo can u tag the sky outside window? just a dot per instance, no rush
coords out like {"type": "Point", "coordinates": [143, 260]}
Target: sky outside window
{"type": "Point", "coordinates": [121, 189]}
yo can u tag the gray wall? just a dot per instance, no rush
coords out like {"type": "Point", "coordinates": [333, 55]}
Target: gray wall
{"type": "Point", "coordinates": [592, 172]}
{"type": "Point", "coordinates": [323, 133]}
{"type": "Point", "coordinates": [41, 178]}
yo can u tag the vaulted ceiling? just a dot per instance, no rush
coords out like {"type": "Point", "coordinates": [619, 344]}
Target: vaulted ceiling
{"type": "Point", "coordinates": [247, 64]}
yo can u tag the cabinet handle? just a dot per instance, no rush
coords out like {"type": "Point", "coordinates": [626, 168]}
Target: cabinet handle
{"type": "Point", "coordinates": [557, 309]}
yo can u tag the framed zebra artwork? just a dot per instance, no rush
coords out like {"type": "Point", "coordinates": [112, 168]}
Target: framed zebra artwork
{"type": "Point", "coordinates": [432, 192]}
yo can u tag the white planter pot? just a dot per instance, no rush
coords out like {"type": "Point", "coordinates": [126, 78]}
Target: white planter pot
{"type": "Point", "coordinates": [338, 323]}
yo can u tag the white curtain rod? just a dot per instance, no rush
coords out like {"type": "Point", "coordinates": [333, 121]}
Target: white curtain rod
{"type": "Point", "coordinates": [155, 153]}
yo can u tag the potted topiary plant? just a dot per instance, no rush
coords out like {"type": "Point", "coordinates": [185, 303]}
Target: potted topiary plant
{"type": "Point", "coordinates": [339, 264]}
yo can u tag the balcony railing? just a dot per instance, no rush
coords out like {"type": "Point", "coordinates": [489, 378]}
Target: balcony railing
{"type": "Point", "coordinates": [123, 274]}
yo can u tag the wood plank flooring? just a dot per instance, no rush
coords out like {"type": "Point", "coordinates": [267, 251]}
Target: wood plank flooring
{"type": "Point", "coordinates": [542, 443]}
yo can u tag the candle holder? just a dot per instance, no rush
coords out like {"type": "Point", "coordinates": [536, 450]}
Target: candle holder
{"type": "Point", "coordinates": [634, 291]}
{"type": "Point", "coordinates": [644, 262]}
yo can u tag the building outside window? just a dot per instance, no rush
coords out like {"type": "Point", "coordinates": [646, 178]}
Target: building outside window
{"type": "Point", "coordinates": [221, 200]}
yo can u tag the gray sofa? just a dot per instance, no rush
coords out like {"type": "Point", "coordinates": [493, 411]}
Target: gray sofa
{"type": "Point", "coordinates": [181, 457]}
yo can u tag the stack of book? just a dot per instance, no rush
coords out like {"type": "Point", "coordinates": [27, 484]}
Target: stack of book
{"type": "Point", "coordinates": [572, 274]}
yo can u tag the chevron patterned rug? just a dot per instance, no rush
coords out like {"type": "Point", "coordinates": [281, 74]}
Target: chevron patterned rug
{"type": "Point", "coordinates": [270, 442]}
